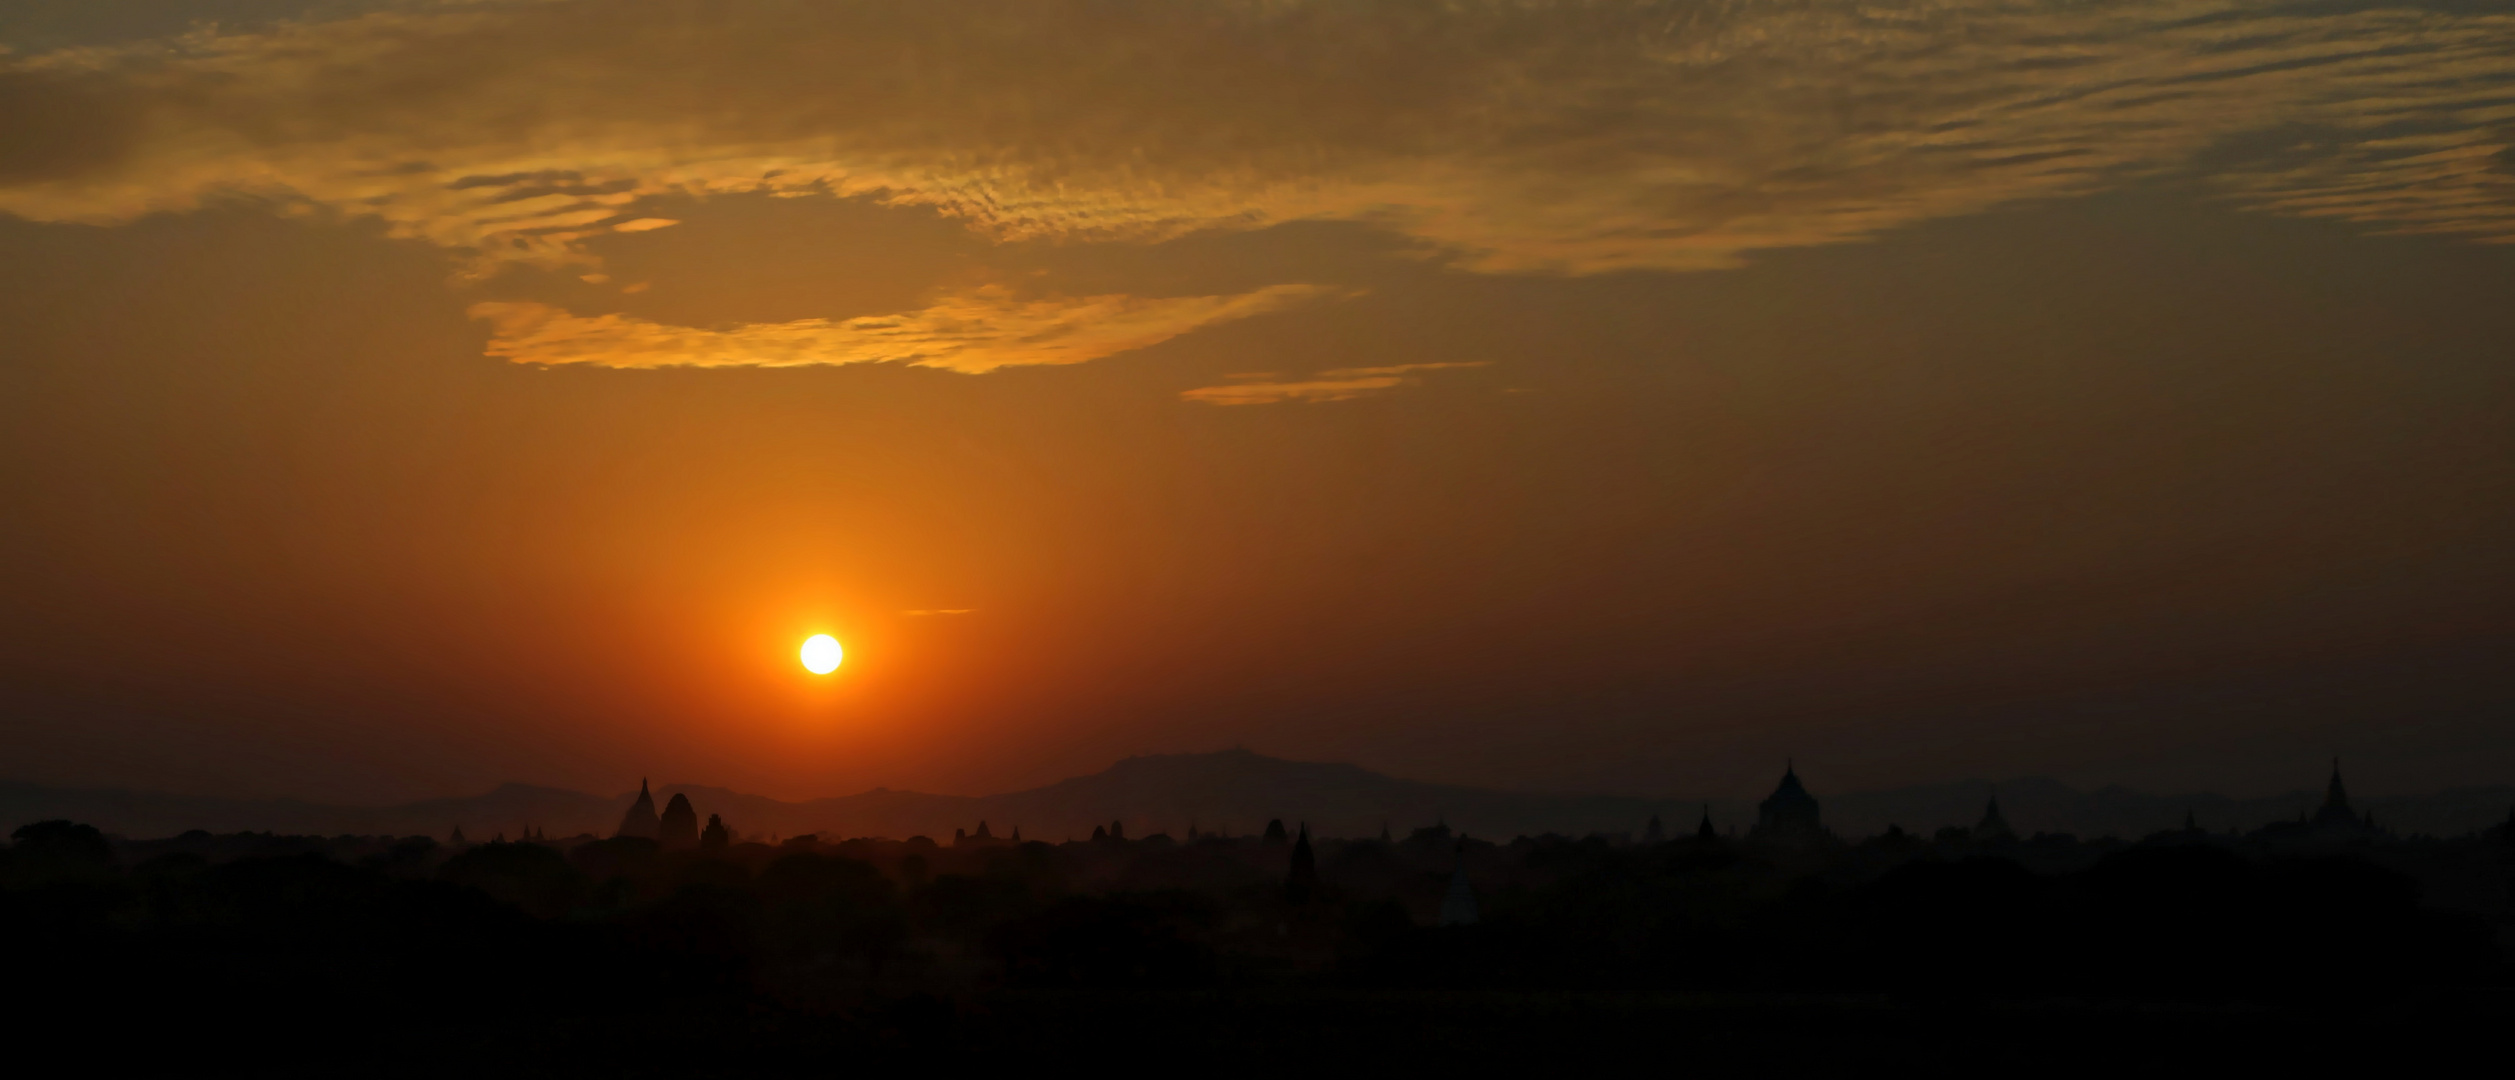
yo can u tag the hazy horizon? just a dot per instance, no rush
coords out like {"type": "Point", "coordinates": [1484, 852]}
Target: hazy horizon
{"type": "Point", "coordinates": [2310, 786]}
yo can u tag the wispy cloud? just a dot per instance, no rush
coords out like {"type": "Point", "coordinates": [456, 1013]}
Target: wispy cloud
{"type": "Point", "coordinates": [1571, 137]}
{"type": "Point", "coordinates": [1340, 384]}
{"type": "Point", "coordinates": [979, 332]}
{"type": "Point", "coordinates": [920, 612]}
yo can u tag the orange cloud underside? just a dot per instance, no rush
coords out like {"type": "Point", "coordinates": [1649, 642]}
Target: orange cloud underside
{"type": "Point", "coordinates": [980, 332]}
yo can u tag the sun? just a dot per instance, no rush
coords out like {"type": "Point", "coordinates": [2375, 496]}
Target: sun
{"type": "Point", "coordinates": [821, 654]}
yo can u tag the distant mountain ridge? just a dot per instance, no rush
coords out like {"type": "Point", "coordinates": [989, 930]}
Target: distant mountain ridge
{"type": "Point", "coordinates": [1234, 791]}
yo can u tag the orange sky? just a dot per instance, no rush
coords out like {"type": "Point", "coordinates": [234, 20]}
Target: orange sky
{"type": "Point", "coordinates": [400, 398]}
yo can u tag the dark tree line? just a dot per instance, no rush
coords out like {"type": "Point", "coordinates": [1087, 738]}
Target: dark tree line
{"type": "Point", "coordinates": [509, 949]}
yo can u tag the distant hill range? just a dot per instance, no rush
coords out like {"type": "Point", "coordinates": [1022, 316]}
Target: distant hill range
{"type": "Point", "coordinates": [1233, 791]}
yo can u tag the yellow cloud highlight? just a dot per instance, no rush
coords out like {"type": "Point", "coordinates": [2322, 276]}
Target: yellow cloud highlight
{"type": "Point", "coordinates": [982, 331]}
{"type": "Point", "coordinates": [1341, 384]}
{"type": "Point", "coordinates": [1532, 136]}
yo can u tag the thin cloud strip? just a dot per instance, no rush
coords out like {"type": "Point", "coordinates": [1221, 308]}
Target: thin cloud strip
{"type": "Point", "coordinates": [1523, 136]}
{"type": "Point", "coordinates": [1340, 384]}
{"type": "Point", "coordinates": [980, 332]}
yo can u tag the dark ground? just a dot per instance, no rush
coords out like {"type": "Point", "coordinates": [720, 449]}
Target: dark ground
{"type": "Point", "coordinates": [260, 955]}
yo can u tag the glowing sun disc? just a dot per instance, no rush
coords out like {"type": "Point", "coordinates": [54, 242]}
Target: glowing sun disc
{"type": "Point", "coordinates": [821, 654]}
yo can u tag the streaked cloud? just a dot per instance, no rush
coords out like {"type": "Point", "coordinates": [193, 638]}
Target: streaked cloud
{"type": "Point", "coordinates": [979, 332]}
{"type": "Point", "coordinates": [1340, 384]}
{"type": "Point", "coordinates": [1569, 137]}
{"type": "Point", "coordinates": [923, 612]}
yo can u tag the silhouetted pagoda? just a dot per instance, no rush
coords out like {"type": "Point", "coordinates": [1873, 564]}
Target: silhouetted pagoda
{"type": "Point", "coordinates": [1789, 816]}
{"type": "Point", "coordinates": [1303, 881]}
{"type": "Point", "coordinates": [2332, 823]}
{"type": "Point", "coordinates": [679, 828]}
{"type": "Point", "coordinates": [2335, 815]}
{"type": "Point", "coordinates": [715, 837]}
{"type": "Point", "coordinates": [1994, 828]}
{"type": "Point", "coordinates": [1653, 833]}
{"type": "Point", "coordinates": [640, 821]}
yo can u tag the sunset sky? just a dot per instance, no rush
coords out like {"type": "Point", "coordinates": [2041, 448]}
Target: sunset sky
{"type": "Point", "coordinates": [397, 398]}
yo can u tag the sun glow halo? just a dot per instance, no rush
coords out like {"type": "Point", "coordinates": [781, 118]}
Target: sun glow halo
{"type": "Point", "coordinates": [821, 654]}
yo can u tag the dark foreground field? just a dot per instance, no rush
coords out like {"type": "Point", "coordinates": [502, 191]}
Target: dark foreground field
{"type": "Point", "coordinates": [257, 954]}
{"type": "Point", "coordinates": [1272, 1033]}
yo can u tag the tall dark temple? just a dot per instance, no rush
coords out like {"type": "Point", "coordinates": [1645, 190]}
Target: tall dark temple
{"type": "Point", "coordinates": [641, 820]}
{"type": "Point", "coordinates": [1789, 816]}
{"type": "Point", "coordinates": [2336, 816]}
{"type": "Point", "coordinates": [2335, 823]}
{"type": "Point", "coordinates": [678, 828]}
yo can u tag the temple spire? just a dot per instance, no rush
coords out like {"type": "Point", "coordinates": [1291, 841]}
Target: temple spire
{"type": "Point", "coordinates": [1994, 825]}
{"type": "Point", "coordinates": [1303, 882]}
{"type": "Point", "coordinates": [1790, 815]}
{"type": "Point", "coordinates": [641, 820]}
{"type": "Point", "coordinates": [2335, 816]}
